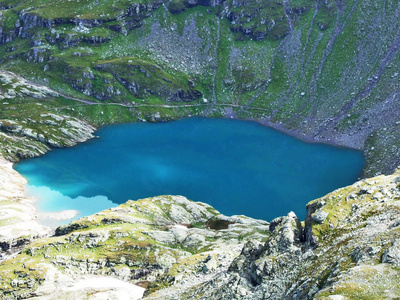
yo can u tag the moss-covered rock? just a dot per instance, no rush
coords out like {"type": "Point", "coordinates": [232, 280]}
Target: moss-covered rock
{"type": "Point", "coordinates": [143, 79]}
{"type": "Point", "coordinates": [162, 241]}
{"type": "Point", "coordinates": [176, 248]}
{"type": "Point", "coordinates": [352, 252]}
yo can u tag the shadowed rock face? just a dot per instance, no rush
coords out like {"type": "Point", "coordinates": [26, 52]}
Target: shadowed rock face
{"type": "Point", "coordinates": [352, 253]}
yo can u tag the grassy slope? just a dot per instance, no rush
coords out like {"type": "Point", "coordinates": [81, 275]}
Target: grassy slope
{"type": "Point", "coordinates": [316, 71]}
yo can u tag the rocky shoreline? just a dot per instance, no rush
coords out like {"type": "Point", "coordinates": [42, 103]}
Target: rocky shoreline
{"type": "Point", "coordinates": [177, 249]}
{"type": "Point", "coordinates": [168, 247]}
{"type": "Point", "coordinates": [345, 140]}
{"type": "Point", "coordinates": [20, 226]}
{"type": "Point", "coordinates": [19, 217]}
{"type": "Point", "coordinates": [207, 258]}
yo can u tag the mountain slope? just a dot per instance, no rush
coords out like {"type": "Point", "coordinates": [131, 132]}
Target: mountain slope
{"type": "Point", "coordinates": [325, 70]}
{"type": "Point", "coordinates": [347, 248]}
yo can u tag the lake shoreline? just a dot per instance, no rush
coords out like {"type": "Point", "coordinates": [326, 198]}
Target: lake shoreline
{"type": "Point", "coordinates": [19, 218]}
{"type": "Point", "coordinates": [347, 140]}
{"type": "Point", "coordinates": [264, 122]}
{"type": "Point", "coordinates": [221, 160]}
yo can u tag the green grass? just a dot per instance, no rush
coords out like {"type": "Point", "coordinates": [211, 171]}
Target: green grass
{"type": "Point", "coordinates": [83, 9]}
{"type": "Point", "coordinates": [7, 20]}
{"type": "Point", "coordinates": [243, 65]}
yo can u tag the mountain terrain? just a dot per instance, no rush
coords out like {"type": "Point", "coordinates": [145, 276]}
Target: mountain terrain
{"type": "Point", "coordinates": [168, 247]}
{"type": "Point", "coordinates": [323, 70]}
{"type": "Point", "coordinates": [326, 71]}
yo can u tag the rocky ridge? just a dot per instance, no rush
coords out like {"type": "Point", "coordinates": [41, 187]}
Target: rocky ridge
{"type": "Point", "coordinates": [178, 249]}
{"type": "Point", "coordinates": [154, 243]}
{"type": "Point", "coordinates": [347, 249]}
{"type": "Point", "coordinates": [13, 86]}
{"type": "Point", "coordinates": [41, 128]}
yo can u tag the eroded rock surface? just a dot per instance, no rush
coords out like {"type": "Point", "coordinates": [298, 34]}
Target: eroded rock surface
{"type": "Point", "coordinates": [156, 243]}
{"type": "Point", "coordinates": [29, 126]}
{"type": "Point", "coordinates": [18, 216]}
{"type": "Point", "coordinates": [178, 249]}
{"type": "Point", "coordinates": [350, 252]}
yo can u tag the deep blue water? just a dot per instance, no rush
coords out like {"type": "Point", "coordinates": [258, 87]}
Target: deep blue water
{"type": "Point", "coordinates": [239, 167]}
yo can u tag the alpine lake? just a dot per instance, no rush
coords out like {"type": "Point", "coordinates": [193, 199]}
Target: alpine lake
{"type": "Point", "coordinates": [238, 167]}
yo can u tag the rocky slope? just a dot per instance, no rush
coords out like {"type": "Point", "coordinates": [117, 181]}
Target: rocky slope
{"type": "Point", "coordinates": [18, 223]}
{"type": "Point", "coordinates": [174, 248]}
{"type": "Point", "coordinates": [29, 126]}
{"type": "Point", "coordinates": [154, 243]}
{"type": "Point", "coordinates": [308, 67]}
{"type": "Point", "coordinates": [347, 249]}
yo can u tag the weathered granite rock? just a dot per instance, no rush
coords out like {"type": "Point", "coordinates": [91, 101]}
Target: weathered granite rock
{"type": "Point", "coordinates": [153, 240]}
{"type": "Point", "coordinates": [18, 216]}
{"type": "Point", "coordinates": [392, 254]}
{"type": "Point", "coordinates": [21, 87]}
{"type": "Point", "coordinates": [41, 128]}
{"type": "Point", "coordinates": [180, 249]}
{"type": "Point", "coordinates": [348, 254]}
{"type": "Point", "coordinates": [319, 216]}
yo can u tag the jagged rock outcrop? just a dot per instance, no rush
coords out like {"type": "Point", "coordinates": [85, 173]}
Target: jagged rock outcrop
{"type": "Point", "coordinates": [350, 253]}
{"type": "Point", "coordinates": [42, 128]}
{"type": "Point", "coordinates": [13, 86]}
{"type": "Point", "coordinates": [178, 249]}
{"type": "Point", "coordinates": [26, 18]}
{"type": "Point", "coordinates": [38, 141]}
{"type": "Point", "coordinates": [143, 80]}
{"type": "Point", "coordinates": [155, 242]}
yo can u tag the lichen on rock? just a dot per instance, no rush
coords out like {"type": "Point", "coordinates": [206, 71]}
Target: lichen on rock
{"type": "Point", "coordinates": [177, 248]}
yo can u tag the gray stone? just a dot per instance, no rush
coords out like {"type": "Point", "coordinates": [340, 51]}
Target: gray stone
{"type": "Point", "coordinates": [392, 254]}
{"type": "Point", "coordinates": [319, 216]}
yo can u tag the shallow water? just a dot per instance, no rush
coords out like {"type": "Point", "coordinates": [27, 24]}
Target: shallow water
{"type": "Point", "coordinates": [239, 167]}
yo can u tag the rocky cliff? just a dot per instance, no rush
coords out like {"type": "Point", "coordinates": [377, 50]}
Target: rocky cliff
{"type": "Point", "coordinates": [174, 248]}
{"type": "Point", "coordinates": [30, 125]}
{"type": "Point", "coordinates": [346, 249]}
{"type": "Point", "coordinates": [166, 241]}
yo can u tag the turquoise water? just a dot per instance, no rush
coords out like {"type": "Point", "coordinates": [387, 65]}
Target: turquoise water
{"type": "Point", "coordinates": [239, 167]}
